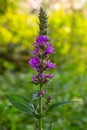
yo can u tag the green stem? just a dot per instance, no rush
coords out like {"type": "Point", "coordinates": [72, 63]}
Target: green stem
{"type": "Point", "coordinates": [40, 111]}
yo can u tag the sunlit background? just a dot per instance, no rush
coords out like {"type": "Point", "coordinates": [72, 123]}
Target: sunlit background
{"type": "Point", "coordinates": [68, 33]}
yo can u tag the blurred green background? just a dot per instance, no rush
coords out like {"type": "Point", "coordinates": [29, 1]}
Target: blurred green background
{"type": "Point", "coordinates": [68, 34]}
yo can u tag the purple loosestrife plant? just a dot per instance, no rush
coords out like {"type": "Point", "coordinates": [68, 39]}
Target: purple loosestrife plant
{"type": "Point", "coordinates": [40, 63]}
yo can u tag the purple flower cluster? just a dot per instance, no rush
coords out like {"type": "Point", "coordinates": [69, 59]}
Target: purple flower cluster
{"type": "Point", "coordinates": [43, 42]}
{"type": "Point", "coordinates": [40, 62]}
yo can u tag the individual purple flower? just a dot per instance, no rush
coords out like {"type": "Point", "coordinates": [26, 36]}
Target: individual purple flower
{"type": "Point", "coordinates": [37, 50]}
{"type": "Point", "coordinates": [50, 65]}
{"type": "Point", "coordinates": [45, 81]}
{"type": "Point", "coordinates": [46, 76]}
{"type": "Point", "coordinates": [50, 76]}
{"type": "Point", "coordinates": [49, 49]}
{"type": "Point", "coordinates": [34, 63]}
{"type": "Point", "coordinates": [42, 75]}
{"type": "Point", "coordinates": [41, 92]}
{"type": "Point", "coordinates": [42, 40]}
{"type": "Point", "coordinates": [35, 79]}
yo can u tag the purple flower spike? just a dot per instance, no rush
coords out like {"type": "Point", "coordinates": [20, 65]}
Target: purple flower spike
{"type": "Point", "coordinates": [34, 62]}
{"type": "Point", "coordinates": [40, 63]}
{"type": "Point", "coordinates": [50, 64]}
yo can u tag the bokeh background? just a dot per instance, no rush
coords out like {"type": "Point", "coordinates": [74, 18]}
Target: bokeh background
{"type": "Point", "coordinates": [68, 33]}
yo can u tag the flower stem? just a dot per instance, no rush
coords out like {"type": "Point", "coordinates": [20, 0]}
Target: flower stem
{"type": "Point", "coordinates": [40, 110]}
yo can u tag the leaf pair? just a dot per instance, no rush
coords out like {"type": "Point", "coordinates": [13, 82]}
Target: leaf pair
{"type": "Point", "coordinates": [24, 104]}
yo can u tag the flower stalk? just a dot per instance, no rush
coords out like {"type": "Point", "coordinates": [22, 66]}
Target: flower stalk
{"type": "Point", "coordinates": [41, 62]}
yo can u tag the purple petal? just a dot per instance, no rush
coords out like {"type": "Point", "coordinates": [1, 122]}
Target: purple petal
{"type": "Point", "coordinates": [41, 92]}
{"type": "Point", "coordinates": [42, 75]}
{"type": "Point", "coordinates": [50, 64]}
{"type": "Point", "coordinates": [49, 49]}
{"type": "Point", "coordinates": [37, 50]}
{"type": "Point", "coordinates": [42, 39]}
{"type": "Point", "coordinates": [34, 62]}
{"type": "Point", "coordinates": [50, 76]}
{"type": "Point", "coordinates": [34, 78]}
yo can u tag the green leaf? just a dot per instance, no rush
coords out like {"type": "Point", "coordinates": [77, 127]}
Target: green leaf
{"type": "Point", "coordinates": [56, 105]}
{"type": "Point", "coordinates": [20, 101]}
